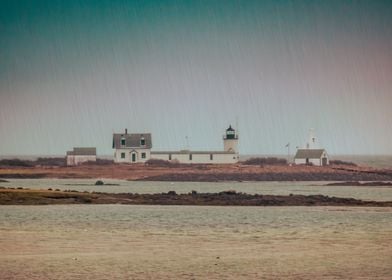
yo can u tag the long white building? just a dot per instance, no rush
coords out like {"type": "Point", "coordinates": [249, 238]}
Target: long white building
{"type": "Point", "coordinates": [136, 148]}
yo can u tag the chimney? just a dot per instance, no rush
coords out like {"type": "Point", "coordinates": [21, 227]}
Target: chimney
{"type": "Point", "coordinates": [126, 131]}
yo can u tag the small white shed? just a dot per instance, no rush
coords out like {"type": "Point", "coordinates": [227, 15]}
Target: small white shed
{"type": "Point", "coordinates": [317, 157]}
{"type": "Point", "coordinates": [80, 155]}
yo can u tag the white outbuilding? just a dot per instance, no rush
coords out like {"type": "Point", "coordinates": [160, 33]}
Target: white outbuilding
{"type": "Point", "coordinates": [80, 155]}
{"type": "Point", "coordinates": [317, 157]}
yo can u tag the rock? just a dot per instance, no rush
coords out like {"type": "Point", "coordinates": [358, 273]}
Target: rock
{"type": "Point", "coordinates": [359, 184]}
{"type": "Point", "coordinates": [99, 183]}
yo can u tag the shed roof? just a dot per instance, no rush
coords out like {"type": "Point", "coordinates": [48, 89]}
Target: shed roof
{"type": "Point", "coordinates": [132, 140]}
{"type": "Point", "coordinates": [83, 151]}
{"type": "Point", "coordinates": [309, 153]}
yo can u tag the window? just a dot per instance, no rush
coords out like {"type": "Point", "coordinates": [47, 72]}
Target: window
{"type": "Point", "coordinates": [142, 142]}
{"type": "Point", "coordinates": [122, 155]}
{"type": "Point", "coordinates": [190, 156]}
{"type": "Point", "coordinates": [122, 141]}
{"type": "Point", "coordinates": [143, 155]}
{"type": "Point", "coordinates": [211, 156]}
{"type": "Point", "coordinates": [169, 156]}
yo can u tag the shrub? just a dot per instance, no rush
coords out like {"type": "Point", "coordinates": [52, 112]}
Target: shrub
{"type": "Point", "coordinates": [163, 163]}
{"type": "Point", "coordinates": [55, 161]}
{"type": "Point", "coordinates": [16, 162]}
{"type": "Point", "coordinates": [265, 161]}
{"type": "Point", "coordinates": [99, 161]}
{"type": "Point", "coordinates": [157, 162]}
{"type": "Point", "coordinates": [30, 163]}
{"type": "Point", "coordinates": [341, 162]}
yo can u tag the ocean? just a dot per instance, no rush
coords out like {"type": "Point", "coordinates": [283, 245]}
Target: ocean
{"type": "Point", "coordinates": [190, 242]}
{"type": "Point", "coordinates": [196, 242]}
{"type": "Point", "coordinates": [380, 193]}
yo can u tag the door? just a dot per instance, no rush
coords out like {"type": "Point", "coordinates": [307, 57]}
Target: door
{"type": "Point", "coordinates": [133, 157]}
{"type": "Point", "coordinates": [324, 161]}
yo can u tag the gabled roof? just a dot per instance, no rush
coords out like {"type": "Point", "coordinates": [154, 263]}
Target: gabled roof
{"type": "Point", "coordinates": [132, 140]}
{"type": "Point", "coordinates": [83, 151]}
{"type": "Point", "coordinates": [309, 153]}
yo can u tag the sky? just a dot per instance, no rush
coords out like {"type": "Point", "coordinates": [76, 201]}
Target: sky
{"type": "Point", "coordinates": [74, 72]}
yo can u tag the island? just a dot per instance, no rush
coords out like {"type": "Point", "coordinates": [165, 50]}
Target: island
{"type": "Point", "coordinates": [20, 196]}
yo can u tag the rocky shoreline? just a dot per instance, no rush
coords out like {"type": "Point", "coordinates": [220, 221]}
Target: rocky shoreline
{"type": "Point", "coordinates": [361, 184]}
{"type": "Point", "coordinates": [200, 173]}
{"type": "Point", "coordinates": [22, 196]}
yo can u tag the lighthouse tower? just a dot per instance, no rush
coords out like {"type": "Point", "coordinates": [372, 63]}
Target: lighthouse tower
{"type": "Point", "coordinates": [230, 140]}
{"type": "Point", "coordinates": [312, 140]}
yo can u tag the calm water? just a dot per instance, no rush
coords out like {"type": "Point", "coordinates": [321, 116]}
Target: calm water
{"type": "Point", "coordinates": [166, 242]}
{"type": "Point", "coordinates": [190, 242]}
{"type": "Point", "coordinates": [278, 188]}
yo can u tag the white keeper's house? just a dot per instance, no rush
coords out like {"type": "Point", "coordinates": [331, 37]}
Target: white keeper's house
{"type": "Point", "coordinates": [132, 147]}
{"type": "Point", "coordinates": [136, 148]}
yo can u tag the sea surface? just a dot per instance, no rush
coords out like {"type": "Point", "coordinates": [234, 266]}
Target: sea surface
{"type": "Point", "coordinates": [196, 242]}
{"type": "Point", "coordinates": [380, 193]}
{"type": "Point", "coordinates": [190, 242]}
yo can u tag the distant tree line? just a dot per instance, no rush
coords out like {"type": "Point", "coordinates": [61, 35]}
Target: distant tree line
{"type": "Point", "coordinates": [55, 161]}
{"type": "Point", "coordinates": [47, 161]}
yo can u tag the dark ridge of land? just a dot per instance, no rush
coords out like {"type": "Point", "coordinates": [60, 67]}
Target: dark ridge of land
{"type": "Point", "coordinates": [95, 184]}
{"type": "Point", "coordinates": [361, 184]}
{"type": "Point", "coordinates": [269, 176]}
{"type": "Point", "coordinates": [227, 198]}
{"type": "Point", "coordinates": [23, 175]}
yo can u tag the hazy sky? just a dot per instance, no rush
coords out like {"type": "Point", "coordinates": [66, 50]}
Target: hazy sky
{"type": "Point", "coordinates": [73, 72]}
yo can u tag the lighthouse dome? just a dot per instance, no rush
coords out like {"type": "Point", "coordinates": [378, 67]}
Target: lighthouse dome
{"type": "Point", "coordinates": [230, 133]}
